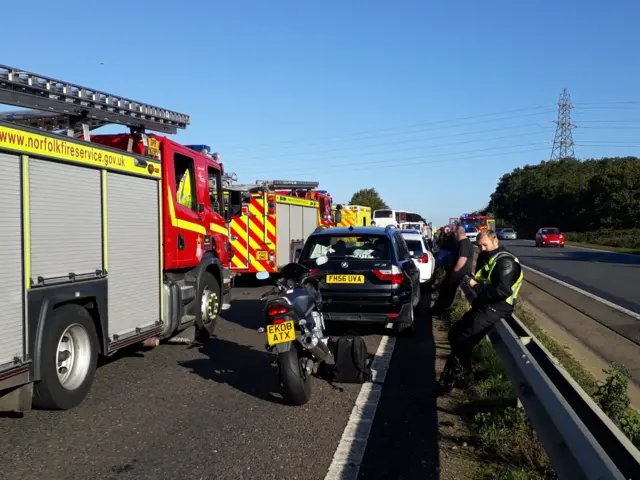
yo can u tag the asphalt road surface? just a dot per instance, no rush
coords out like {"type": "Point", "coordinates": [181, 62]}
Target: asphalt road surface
{"type": "Point", "coordinates": [612, 276]}
{"type": "Point", "coordinates": [215, 411]}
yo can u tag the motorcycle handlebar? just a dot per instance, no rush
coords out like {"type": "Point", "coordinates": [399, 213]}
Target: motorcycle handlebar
{"type": "Point", "coordinates": [280, 286]}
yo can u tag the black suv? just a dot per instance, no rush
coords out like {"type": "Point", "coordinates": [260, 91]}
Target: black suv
{"type": "Point", "coordinates": [370, 276]}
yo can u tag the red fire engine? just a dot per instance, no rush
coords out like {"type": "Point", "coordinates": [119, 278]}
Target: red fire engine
{"type": "Point", "coordinates": [308, 190]}
{"type": "Point", "coordinates": [481, 222]}
{"type": "Point", "coordinates": [111, 240]}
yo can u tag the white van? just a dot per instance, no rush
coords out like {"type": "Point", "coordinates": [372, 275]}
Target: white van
{"type": "Point", "coordinates": [389, 217]}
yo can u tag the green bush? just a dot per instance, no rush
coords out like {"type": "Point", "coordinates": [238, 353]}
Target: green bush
{"type": "Point", "coordinates": [612, 394]}
{"type": "Point", "coordinates": [608, 238]}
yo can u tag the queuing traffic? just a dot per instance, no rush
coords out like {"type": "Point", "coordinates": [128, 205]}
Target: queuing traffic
{"type": "Point", "coordinates": [147, 245]}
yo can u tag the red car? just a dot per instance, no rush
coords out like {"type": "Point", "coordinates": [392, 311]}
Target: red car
{"type": "Point", "coordinates": [549, 236]}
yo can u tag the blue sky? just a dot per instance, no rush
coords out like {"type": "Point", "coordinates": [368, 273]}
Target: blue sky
{"type": "Point", "coordinates": [419, 99]}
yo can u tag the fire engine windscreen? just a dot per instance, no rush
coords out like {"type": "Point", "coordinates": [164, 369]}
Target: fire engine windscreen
{"type": "Point", "coordinates": [338, 247]}
{"type": "Point", "coordinates": [474, 222]}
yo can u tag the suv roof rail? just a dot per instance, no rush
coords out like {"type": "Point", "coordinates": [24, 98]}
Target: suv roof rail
{"type": "Point", "coordinates": [389, 226]}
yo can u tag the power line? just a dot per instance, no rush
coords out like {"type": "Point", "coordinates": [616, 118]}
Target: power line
{"type": "Point", "coordinates": [606, 143]}
{"type": "Point", "coordinates": [347, 165]}
{"type": "Point", "coordinates": [422, 147]}
{"type": "Point", "coordinates": [439, 122]}
{"type": "Point", "coordinates": [349, 169]}
{"type": "Point", "coordinates": [609, 121]}
{"type": "Point", "coordinates": [347, 136]}
{"type": "Point", "coordinates": [290, 154]}
{"type": "Point", "coordinates": [624, 102]}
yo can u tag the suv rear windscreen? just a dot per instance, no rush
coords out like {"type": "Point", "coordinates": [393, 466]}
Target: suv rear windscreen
{"type": "Point", "coordinates": [338, 247]}
{"type": "Point", "coordinates": [382, 214]}
{"type": "Point", "coordinates": [414, 245]}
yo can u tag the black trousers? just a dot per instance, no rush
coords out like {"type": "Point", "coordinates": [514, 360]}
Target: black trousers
{"type": "Point", "coordinates": [467, 332]}
{"type": "Point", "coordinates": [446, 294]}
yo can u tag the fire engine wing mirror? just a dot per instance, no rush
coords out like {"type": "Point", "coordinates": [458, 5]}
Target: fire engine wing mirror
{"type": "Point", "coordinates": [234, 210]}
{"type": "Point", "coordinates": [262, 275]}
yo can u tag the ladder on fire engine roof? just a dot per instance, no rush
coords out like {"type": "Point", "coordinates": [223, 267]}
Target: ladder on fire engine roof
{"type": "Point", "coordinates": [287, 184]}
{"type": "Point", "coordinates": [271, 185]}
{"type": "Point", "coordinates": [57, 105]}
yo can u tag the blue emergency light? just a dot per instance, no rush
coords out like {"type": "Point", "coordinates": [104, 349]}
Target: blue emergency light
{"type": "Point", "coordinates": [200, 148]}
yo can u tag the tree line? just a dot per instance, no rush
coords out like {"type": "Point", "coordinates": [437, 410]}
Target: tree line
{"type": "Point", "coordinates": [573, 195]}
{"type": "Point", "coordinates": [368, 197]}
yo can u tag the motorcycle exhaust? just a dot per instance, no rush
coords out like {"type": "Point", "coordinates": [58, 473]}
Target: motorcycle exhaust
{"type": "Point", "coordinates": [321, 352]}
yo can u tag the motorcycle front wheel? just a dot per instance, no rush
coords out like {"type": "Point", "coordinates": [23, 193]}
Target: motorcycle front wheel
{"type": "Point", "coordinates": [294, 377]}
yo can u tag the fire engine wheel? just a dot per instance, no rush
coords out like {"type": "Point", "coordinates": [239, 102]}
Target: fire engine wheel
{"type": "Point", "coordinates": [68, 359]}
{"type": "Point", "coordinates": [210, 303]}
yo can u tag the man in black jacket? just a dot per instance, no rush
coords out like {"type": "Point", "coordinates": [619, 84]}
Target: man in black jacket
{"type": "Point", "coordinates": [461, 265]}
{"type": "Point", "coordinates": [494, 290]}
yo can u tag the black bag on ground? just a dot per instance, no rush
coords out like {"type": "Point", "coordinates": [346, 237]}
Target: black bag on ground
{"type": "Point", "coordinates": [351, 360]}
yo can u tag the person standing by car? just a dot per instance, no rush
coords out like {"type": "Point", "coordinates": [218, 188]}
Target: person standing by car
{"type": "Point", "coordinates": [495, 289]}
{"type": "Point", "coordinates": [428, 236]}
{"type": "Point", "coordinates": [462, 265]}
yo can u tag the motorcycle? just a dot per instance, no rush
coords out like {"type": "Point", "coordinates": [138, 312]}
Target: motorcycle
{"type": "Point", "coordinates": [295, 328]}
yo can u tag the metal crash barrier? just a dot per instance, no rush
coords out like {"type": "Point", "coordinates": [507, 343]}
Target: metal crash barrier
{"type": "Point", "coordinates": [581, 441]}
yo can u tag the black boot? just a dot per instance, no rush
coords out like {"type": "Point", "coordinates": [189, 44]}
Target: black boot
{"type": "Point", "coordinates": [451, 374]}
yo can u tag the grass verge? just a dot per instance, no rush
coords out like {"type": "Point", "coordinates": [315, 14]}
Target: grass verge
{"type": "Point", "coordinates": [503, 432]}
{"type": "Point", "coordinates": [623, 241]}
{"type": "Point", "coordinates": [611, 395]}
{"type": "Point", "coordinates": [631, 251]}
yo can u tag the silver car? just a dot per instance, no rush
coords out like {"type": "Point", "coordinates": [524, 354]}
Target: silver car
{"type": "Point", "coordinates": [507, 234]}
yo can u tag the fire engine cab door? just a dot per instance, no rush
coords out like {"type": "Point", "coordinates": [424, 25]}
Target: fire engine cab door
{"type": "Point", "coordinates": [213, 214]}
{"type": "Point", "coordinates": [189, 185]}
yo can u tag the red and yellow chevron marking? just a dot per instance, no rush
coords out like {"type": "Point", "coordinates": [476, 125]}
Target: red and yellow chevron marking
{"type": "Point", "coordinates": [349, 218]}
{"type": "Point", "coordinates": [254, 231]}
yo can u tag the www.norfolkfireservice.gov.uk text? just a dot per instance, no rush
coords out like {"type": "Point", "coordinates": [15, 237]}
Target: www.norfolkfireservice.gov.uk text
{"type": "Point", "coordinates": [55, 147]}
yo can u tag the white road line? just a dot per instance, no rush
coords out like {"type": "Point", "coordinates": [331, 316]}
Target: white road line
{"type": "Point", "coordinates": [587, 294]}
{"type": "Point", "coordinates": [348, 456]}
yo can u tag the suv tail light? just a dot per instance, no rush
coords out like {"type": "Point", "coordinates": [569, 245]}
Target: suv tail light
{"type": "Point", "coordinates": [277, 310]}
{"type": "Point", "coordinates": [394, 275]}
{"type": "Point", "coordinates": [424, 259]}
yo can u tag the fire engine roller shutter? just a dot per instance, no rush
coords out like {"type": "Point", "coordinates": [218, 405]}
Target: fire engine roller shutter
{"type": "Point", "coordinates": [309, 221]}
{"type": "Point", "coordinates": [66, 219]}
{"type": "Point", "coordinates": [11, 341]}
{"type": "Point", "coordinates": [295, 222]}
{"type": "Point", "coordinates": [283, 237]}
{"type": "Point", "coordinates": [133, 252]}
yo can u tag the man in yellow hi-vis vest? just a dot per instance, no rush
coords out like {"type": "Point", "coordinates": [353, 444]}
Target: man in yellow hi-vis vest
{"type": "Point", "coordinates": [184, 190]}
{"type": "Point", "coordinates": [493, 292]}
